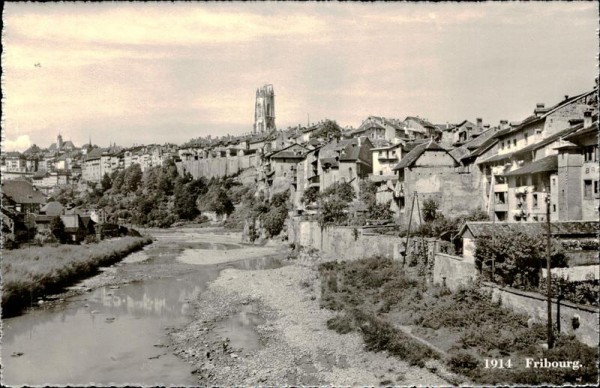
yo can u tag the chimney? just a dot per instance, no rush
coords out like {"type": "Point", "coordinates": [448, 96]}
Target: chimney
{"type": "Point", "coordinates": [566, 96]}
{"type": "Point", "coordinates": [587, 118]}
{"type": "Point", "coordinates": [479, 123]}
{"type": "Point", "coordinates": [503, 124]}
{"type": "Point", "coordinates": [539, 108]}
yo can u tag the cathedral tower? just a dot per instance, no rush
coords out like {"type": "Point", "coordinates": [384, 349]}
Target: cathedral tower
{"type": "Point", "coordinates": [59, 142]}
{"type": "Point", "coordinates": [264, 109]}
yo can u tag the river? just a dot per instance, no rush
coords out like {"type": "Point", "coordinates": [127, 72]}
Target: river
{"type": "Point", "coordinates": [117, 335]}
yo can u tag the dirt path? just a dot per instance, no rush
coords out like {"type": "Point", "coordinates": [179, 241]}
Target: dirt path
{"type": "Point", "coordinates": [296, 347]}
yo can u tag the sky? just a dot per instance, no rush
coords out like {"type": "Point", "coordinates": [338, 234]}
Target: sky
{"type": "Point", "coordinates": [151, 73]}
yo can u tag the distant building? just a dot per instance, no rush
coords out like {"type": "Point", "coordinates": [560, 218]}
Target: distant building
{"type": "Point", "coordinates": [22, 196]}
{"type": "Point", "coordinates": [264, 110]}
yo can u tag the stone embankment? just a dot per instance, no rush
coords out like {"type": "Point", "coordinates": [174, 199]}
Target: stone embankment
{"type": "Point", "coordinates": [294, 345]}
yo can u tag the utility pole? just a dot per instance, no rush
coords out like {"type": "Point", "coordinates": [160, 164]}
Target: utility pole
{"type": "Point", "coordinates": [548, 273]}
{"type": "Point", "coordinates": [408, 231]}
{"type": "Point", "coordinates": [493, 199]}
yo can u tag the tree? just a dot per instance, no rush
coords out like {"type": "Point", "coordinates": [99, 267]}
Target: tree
{"type": "Point", "coordinates": [280, 199]}
{"type": "Point", "coordinates": [517, 257]}
{"type": "Point", "coordinates": [430, 210]}
{"type": "Point", "coordinates": [117, 181]}
{"type": "Point", "coordinates": [329, 130]}
{"type": "Point", "coordinates": [132, 178]}
{"type": "Point", "coordinates": [217, 200]}
{"type": "Point", "coordinates": [57, 228]}
{"type": "Point", "coordinates": [343, 191]}
{"type": "Point", "coordinates": [184, 203]}
{"type": "Point", "coordinates": [274, 220]}
{"type": "Point", "coordinates": [106, 183]}
{"type": "Point", "coordinates": [310, 195]}
{"type": "Point", "coordinates": [333, 211]}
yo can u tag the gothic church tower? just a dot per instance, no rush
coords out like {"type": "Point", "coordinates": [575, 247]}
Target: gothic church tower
{"type": "Point", "coordinates": [264, 109]}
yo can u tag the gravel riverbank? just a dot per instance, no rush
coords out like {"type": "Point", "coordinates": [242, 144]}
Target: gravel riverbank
{"type": "Point", "coordinates": [295, 347]}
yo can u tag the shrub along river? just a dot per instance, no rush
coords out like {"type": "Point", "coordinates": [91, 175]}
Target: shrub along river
{"type": "Point", "coordinates": [117, 334]}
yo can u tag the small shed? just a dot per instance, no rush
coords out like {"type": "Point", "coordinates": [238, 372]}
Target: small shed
{"type": "Point", "coordinates": [562, 230]}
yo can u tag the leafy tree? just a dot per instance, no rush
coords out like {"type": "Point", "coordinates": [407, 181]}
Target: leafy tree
{"type": "Point", "coordinates": [329, 130]}
{"type": "Point", "coordinates": [518, 257]}
{"type": "Point", "coordinates": [380, 211]}
{"type": "Point", "coordinates": [280, 199]}
{"type": "Point", "coordinates": [133, 178]}
{"type": "Point", "coordinates": [218, 201]}
{"type": "Point", "coordinates": [310, 195]}
{"type": "Point", "coordinates": [184, 203]}
{"type": "Point", "coordinates": [334, 202]}
{"type": "Point", "coordinates": [333, 211]}
{"type": "Point", "coordinates": [429, 210]}
{"type": "Point", "coordinates": [274, 220]}
{"type": "Point", "coordinates": [117, 181]}
{"type": "Point", "coordinates": [343, 191]}
{"type": "Point", "coordinates": [57, 228]}
{"type": "Point", "coordinates": [106, 183]}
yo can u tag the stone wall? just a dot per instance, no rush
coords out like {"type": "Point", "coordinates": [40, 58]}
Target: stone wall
{"type": "Point", "coordinates": [580, 273]}
{"type": "Point", "coordinates": [217, 167]}
{"type": "Point", "coordinates": [535, 305]}
{"type": "Point", "coordinates": [454, 271]}
{"type": "Point", "coordinates": [348, 243]}
{"type": "Point", "coordinates": [456, 192]}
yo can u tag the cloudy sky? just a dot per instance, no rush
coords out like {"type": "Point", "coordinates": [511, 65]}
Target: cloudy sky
{"type": "Point", "coordinates": [159, 72]}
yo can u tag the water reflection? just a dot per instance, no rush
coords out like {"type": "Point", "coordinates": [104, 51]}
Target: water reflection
{"type": "Point", "coordinates": [107, 337]}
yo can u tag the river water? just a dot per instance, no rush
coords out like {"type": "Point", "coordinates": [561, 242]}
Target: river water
{"type": "Point", "coordinates": [117, 335]}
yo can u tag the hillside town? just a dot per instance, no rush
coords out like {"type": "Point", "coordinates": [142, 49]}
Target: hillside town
{"type": "Point", "coordinates": [395, 194]}
{"type": "Point", "coordinates": [509, 170]}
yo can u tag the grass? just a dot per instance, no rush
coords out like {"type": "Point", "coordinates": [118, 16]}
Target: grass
{"type": "Point", "coordinates": [371, 295]}
{"type": "Point", "coordinates": [32, 272]}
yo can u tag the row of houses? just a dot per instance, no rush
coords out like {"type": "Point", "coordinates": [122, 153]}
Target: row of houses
{"type": "Point", "coordinates": [101, 161]}
{"type": "Point", "coordinates": [27, 215]}
{"type": "Point", "coordinates": [62, 163]}
{"type": "Point", "coordinates": [508, 170]}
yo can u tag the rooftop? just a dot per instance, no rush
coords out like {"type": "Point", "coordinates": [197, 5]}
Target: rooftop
{"type": "Point", "coordinates": [557, 228]}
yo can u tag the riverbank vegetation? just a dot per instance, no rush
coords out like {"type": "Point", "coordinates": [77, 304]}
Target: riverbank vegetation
{"type": "Point", "coordinates": [158, 197]}
{"type": "Point", "coordinates": [28, 273]}
{"type": "Point", "coordinates": [385, 302]}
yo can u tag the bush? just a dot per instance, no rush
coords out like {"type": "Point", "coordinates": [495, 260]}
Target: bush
{"type": "Point", "coordinates": [274, 220]}
{"type": "Point", "coordinates": [463, 363]}
{"type": "Point", "coordinates": [341, 323]}
{"type": "Point", "coordinates": [310, 195]}
{"type": "Point", "coordinates": [517, 255]}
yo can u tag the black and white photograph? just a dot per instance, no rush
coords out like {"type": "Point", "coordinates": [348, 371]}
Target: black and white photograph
{"type": "Point", "coordinates": [282, 194]}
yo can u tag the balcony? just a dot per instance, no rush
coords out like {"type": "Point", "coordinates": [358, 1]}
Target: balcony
{"type": "Point", "coordinates": [523, 190]}
{"type": "Point", "coordinates": [500, 187]}
{"type": "Point", "coordinates": [501, 207]}
{"type": "Point", "coordinates": [385, 157]}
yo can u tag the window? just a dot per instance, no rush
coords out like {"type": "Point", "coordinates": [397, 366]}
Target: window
{"type": "Point", "coordinates": [587, 189]}
{"type": "Point", "coordinates": [515, 142]}
{"type": "Point", "coordinates": [595, 187]}
{"type": "Point", "coordinates": [519, 181]}
{"type": "Point", "coordinates": [590, 153]}
{"type": "Point", "coordinates": [500, 199]}
{"type": "Point", "coordinates": [535, 200]}
{"type": "Point", "coordinates": [525, 135]}
{"type": "Point", "coordinates": [380, 172]}
{"type": "Point", "coordinates": [553, 181]}
{"type": "Point", "coordinates": [553, 208]}
{"type": "Point", "coordinates": [502, 146]}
